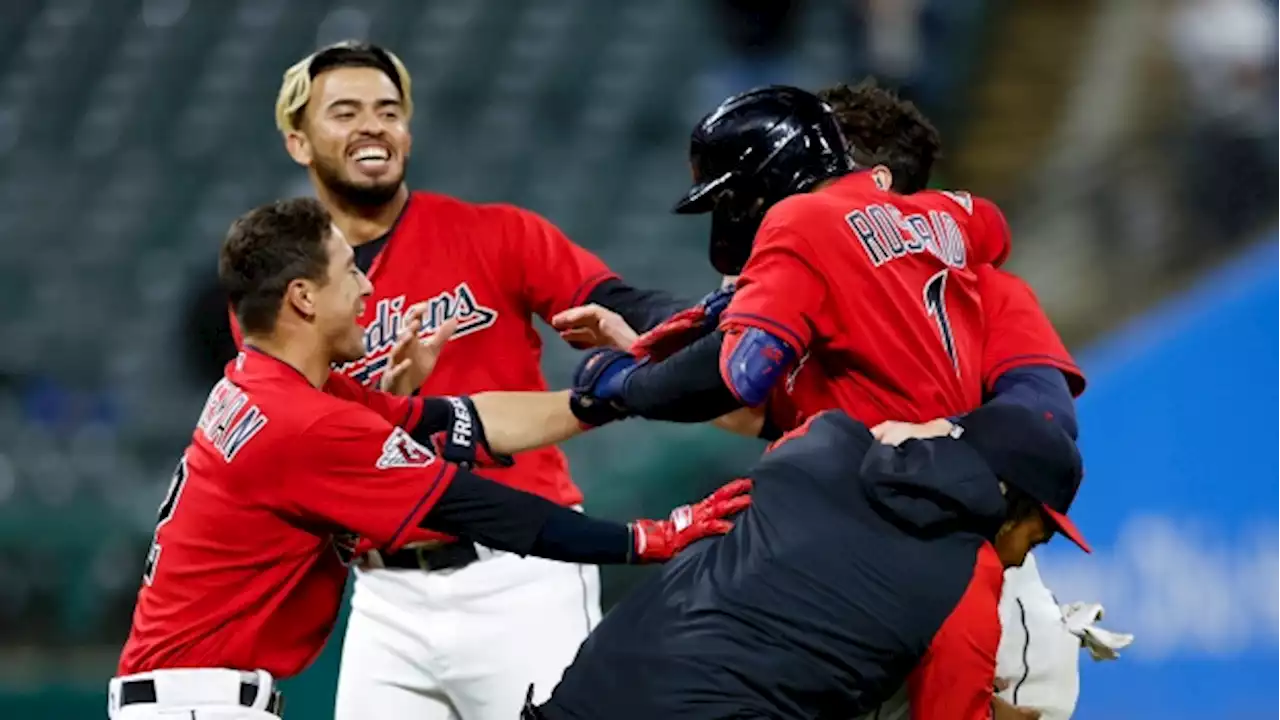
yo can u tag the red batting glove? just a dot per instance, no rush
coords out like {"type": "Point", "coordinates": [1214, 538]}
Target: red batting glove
{"type": "Point", "coordinates": [661, 540]}
{"type": "Point", "coordinates": [684, 327]}
{"type": "Point", "coordinates": [671, 334]}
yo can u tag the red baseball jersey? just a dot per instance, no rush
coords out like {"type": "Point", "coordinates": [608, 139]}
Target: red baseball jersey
{"type": "Point", "coordinates": [250, 554]}
{"type": "Point", "coordinates": [493, 267]}
{"type": "Point", "coordinates": [1017, 334]}
{"type": "Point", "coordinates": [875, 293]}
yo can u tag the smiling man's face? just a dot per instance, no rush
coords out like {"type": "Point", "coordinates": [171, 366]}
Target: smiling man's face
{"type": "Point", "coordinates": [354, 135]}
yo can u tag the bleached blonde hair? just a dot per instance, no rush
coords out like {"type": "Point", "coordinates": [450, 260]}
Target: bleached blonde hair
{"type": "Point", "coordinates": [295, 88]}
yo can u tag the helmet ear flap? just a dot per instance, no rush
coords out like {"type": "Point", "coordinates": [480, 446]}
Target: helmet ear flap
{"type": "Point", "coordinates": [735, 219]}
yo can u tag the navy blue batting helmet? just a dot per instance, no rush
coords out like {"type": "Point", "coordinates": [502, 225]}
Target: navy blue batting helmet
{"type": "Point", "coordinates": [757, 148]}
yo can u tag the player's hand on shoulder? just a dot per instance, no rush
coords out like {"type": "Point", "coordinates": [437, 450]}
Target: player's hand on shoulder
{"type": "Point", "coordinates": [594, 326]}
{"type": "Point", "coordinates": [412, 359]}
{"type": "Point", "coordinates": [893, 432]}
{"type": "Point", "coordinates": [661, 540]}
{"type": "Point", "coordinates": [685, 326]}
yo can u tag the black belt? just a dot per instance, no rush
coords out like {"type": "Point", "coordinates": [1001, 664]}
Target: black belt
{"type": "Point", "coordinates": [447, 556]}
{"type": "Point", "coordinates": [134, 692]}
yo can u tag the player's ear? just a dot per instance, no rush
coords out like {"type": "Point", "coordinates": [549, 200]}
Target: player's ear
{"type": "Point", "coordinates": [883, 177]}
{"type": "Point", "coordinates": [299, 147]}
{"type": "Point", "coordinates": [300, 294]}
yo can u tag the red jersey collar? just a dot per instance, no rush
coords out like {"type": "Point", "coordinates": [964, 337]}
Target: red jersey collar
{"type": "Point", "coordinates": [254, 363]}
{"type": "Point", "coordinates": [857, 181]}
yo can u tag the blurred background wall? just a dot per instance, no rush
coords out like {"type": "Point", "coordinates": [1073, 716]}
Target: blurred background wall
{"type": "Point", "coordinates": [1131, 142]}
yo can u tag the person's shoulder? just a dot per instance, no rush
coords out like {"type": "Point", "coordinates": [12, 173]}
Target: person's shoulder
{"type": "Point", "coordinates": [292, 410]}
{"type": "Point", "coordinates": [425, 202]}
{"type": "Point", "coordinates": [252, 426]}
{"type": "Point", "coordinates": [797, 218]}
{"type": "Point", "coordinates": [997, 285]}
{"type": "Point", "coordinates": [988, 228]}
{"type": "Point", "coordinates": [831, 437]}
{"type": "Point", "coordinates": [484, 224]}
{"type": "Point", "coordinates": [788, 224]}
{"type": "Point", "coordinates": [336, 415]}
{"type": "Point", "coordinates": [796, 211]}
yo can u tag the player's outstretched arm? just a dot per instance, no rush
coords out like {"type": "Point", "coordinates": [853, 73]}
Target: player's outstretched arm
{"type": "Point", "coordinates": [595, 326]}
{"type": "Point", "coordinates": [504, 518]}
{"type": "Point", "coordinates": [484, 430]}
{"type": "Point", "coordinates": [712, 376]}
{"type": "Point", "coordinates": [359, 473]}
{"type": "Point", "coordinates": [518, 421]}
{"type": "Point", "coordinates": [767, 324]}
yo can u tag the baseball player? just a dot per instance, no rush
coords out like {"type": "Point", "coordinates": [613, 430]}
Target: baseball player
{"type": "Point", "coordinates": [859, 567]}
{"type": "Point", "coordinates": [290, 460]}
{"type": "Point", "coordinates": [443, 628]}
{"type": "Point", "coordinates": [1039, 657]}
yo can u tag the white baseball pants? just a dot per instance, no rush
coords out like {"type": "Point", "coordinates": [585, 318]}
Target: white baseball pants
{"type": "Point", "coordinates": [463, 644]}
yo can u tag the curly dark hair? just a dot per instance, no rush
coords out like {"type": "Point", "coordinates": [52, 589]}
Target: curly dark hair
{"type": "Point", "coordinates": [266, 249]}
{"type": "Point", "coordinates": [883, 129]}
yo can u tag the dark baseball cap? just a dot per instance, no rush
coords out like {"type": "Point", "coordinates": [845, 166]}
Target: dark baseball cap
{"type": "Point", "coordinates": [1031, 452]}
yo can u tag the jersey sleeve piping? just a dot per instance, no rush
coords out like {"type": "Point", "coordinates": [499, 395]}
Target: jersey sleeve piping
{"type": "Point", "coordinates": [1075, 377]}
{"type": "Point", "coordinates": [429, 498]}
{"type": "Point", "coordinates": [444, 476]}
{"type": "Point", "coordinates": [791, 337]}
{"type": "Point", "coordinates": [591, 283]}
{"type": "Point", "coordinates": [413, 414]}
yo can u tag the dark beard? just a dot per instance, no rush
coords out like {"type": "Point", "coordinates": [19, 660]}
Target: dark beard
{"type": "Point", "coordinates": [365, 196]}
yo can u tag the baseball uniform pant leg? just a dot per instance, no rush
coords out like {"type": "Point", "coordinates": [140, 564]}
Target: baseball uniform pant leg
{"type": "Point", "coordinates": [386, 670]}
{"type": "Point", "coordinates": [475, 638]}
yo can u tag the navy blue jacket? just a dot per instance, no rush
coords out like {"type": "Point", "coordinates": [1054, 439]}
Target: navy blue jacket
{"type": "Point", "coordinates": [823, 599]}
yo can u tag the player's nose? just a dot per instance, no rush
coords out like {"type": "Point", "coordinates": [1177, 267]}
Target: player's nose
{"type": "Point", "coordinates": [370, 126]}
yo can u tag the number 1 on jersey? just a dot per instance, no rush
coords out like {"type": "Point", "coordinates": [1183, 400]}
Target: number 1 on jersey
{"type": "Point", "coordinates": [935, 304]}
{"type": "Point", "coordinates": [167, 507]}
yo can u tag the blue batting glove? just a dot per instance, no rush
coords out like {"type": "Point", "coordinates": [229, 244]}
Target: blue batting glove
{"type": "Point", "coordinates": [598, 384]}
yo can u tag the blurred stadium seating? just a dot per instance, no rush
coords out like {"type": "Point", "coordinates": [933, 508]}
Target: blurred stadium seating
{"type": "Point", "coordinates": [133, 131]}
